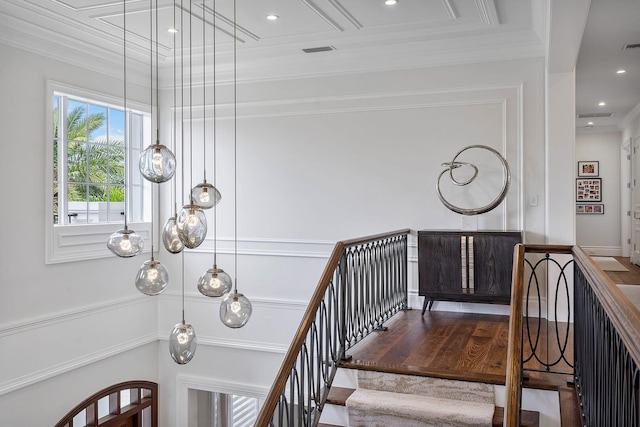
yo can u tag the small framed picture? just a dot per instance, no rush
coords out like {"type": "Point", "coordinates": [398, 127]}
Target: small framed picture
{"type": "Point", "coordinates": [592, 209]}
{"type": "Point", "coordinates": [590, 168]}
{"type": "Point", "coordinates": [589, 190]}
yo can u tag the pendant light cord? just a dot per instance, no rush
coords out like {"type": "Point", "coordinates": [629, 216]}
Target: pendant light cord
{"type": "Point", "coordinates": [126, 128]}
{"type": "Point", "coordinates": [204, 97]}
{"type": "Point", "coordinates": [151, 74]}
{"type": "Point", "coordinates": [215, 169]}
{"type": "Point", "coordinates": [235, 140]}
{"type": "Point", "coordinates": [191, 202]}
{"type": "Point", "coordinates": [182, 96]}
{"type": "Point", "coordinates": [182, 130]}
{"type": "Point", "coordinates": [174, 143]}
{"type": "Point", "coordinates": [182, 287]}
{"type": "Point", "coordinates": [157, 80]}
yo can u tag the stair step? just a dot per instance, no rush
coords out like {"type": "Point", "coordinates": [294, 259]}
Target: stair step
{"type": "Point", "coordinates": [569, 407]}
{"type": "Point", "coordinates": [328, 425]}
{"type": "Point", "coordinates": [339, 395]}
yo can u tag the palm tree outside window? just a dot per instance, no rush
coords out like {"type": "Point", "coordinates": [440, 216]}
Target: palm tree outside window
{"type": "Point", "coordinates": [91, 157]}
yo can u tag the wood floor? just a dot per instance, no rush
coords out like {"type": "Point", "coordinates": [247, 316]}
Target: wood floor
{"type": "Point", "coordinates": [473, 347]}
{"type": "Point", "coordinates": [468, 346]}
{"type": "Point", "coordinates": [464, 346]}
{"type": "Point", "coordinates": [452, 345]}
{"type": "Point", "coordinates": [631, 277]}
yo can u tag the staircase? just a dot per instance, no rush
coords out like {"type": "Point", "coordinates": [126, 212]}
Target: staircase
{"type": "Point", "coordinates": [395, 400]}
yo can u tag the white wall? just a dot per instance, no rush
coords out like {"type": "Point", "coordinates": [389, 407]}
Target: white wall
{"type": "Point", "coordinates": [66, 330]}
{"type": "Point", "coordinates": [331, 158]}
{"type": "Point", "coordinates": [600, 234]}
{"type": "Point", "coordinates": [319, 160]}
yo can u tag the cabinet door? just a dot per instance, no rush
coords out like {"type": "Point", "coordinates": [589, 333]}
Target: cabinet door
{"type": "Point", "coordinates": [493, 261]}
{"type": "Point", "coordinates": [440, 263]}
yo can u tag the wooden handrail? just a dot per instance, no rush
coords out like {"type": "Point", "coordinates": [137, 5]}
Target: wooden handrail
{"type": "Point", "coordinates": [514, 349]}
{"type": "Point", "coordinates": [624, 316]}
{"type": "Point", "coordinates": [271, 402]}
{"type": "Point", "coordinates": [373, 238]}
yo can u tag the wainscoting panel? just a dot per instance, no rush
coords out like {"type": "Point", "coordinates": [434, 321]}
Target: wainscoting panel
{"type": "Point", "coordinates": [38, 349]}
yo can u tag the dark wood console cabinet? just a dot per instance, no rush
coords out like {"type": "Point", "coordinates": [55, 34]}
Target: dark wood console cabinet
{"type": "Point", "coordinates": [466, 266]}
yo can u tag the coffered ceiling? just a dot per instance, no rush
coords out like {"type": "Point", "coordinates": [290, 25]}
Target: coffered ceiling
{"type": "Point", "coordinates": [362, 35]}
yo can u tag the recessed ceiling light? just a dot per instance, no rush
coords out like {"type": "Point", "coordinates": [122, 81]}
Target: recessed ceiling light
{"type": "Point", "coordinates": [621, 71]}
{"type": "Point", "coordinates": [602, 104]}
{"type": "Point", "coordinates": [172, 30]}
{"type": "Point", "coordinates": [390, 2]}
{"type": "Point", "coordinates": [272, 17]}
{"type": "Point", "coordinates": [590, 123]}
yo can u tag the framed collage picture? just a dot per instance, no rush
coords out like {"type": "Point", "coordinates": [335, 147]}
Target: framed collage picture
{"type": "Point", "coordinates": [589, 190]}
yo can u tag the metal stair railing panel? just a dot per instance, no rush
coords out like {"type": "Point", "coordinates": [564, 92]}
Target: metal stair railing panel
{"type": "Point", "coordinates": [607, 349]}
{"type": "Point", "coordinates": [606, 335]}
{"type": "Point", "coordinates": [363, 284]}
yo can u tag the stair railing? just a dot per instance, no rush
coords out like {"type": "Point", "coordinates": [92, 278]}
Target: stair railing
{"type": "Point", "coordinates": [607, 348]}
{"type": "Point", "coordinates": [513, 381]}
{"type": "Point", "coordinates": [606, 335]}
{"type": "Point", "coordinates": [363, 284]}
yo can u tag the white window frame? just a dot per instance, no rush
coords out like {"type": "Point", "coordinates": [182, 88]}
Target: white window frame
{"type": "Point", "coordinates": [77, 242]}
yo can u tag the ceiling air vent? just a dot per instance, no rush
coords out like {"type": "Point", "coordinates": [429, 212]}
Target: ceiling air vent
{"type": "Point", "coordinates": [631, 46]}
{"type": "Point", "coordinates": [318, 49]}
{"type": "Point", "coordinates": [594, 115]}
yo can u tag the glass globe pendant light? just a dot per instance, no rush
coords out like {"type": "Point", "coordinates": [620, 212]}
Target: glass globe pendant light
{"type": "Point", "coordinates": [182, 343]}
{"type": "Point", "coordinates": [152, 278]}
{"type": "Point", "coordinates": [235, 309]}
{"type": "Point", "coordinates": [214, 282]}
{"type": "Point", "coordinates": [125, 243]}
{"type": "Point", "coordinates": [182, 339]}
{"type": "Point", "coordinates": [157, 163]}
{"type": "Point", "coordinates": [205, 195]}
{"type": "Point", "coordinates": [171, 237]}
{"type": "Point", "coordinates": [191, 225]}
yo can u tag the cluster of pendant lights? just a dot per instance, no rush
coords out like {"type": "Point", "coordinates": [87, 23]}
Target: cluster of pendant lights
{"type": "Point", "coordinates": [188, 227]}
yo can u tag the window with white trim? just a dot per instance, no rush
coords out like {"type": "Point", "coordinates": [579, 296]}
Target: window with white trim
{"type": "Point", "coordinates": [89, 155]}
{"type": "Point", "coordinates": [93, 147]}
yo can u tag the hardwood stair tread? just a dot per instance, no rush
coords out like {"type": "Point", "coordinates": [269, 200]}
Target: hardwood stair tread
{"type": "Point", "coordinates": [339, 395]}
{"type": "Point", "coordinates": [569, 407]}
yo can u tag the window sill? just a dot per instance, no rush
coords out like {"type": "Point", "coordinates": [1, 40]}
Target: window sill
{"type": "Point", "coordinates": [70, 243]}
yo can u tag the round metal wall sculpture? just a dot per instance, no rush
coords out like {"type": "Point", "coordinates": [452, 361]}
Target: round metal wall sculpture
{"type": "Point", "coordinates": [455, 164]}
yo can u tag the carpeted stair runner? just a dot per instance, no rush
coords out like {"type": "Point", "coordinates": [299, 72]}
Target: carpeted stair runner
{"type": "Point", "coordinates": [392, 400]}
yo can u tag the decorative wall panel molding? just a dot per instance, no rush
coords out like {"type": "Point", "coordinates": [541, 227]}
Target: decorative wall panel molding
{"type": "Point", "coordinates": [381, 101]}
{"type": "Point", "coordinates": [84, 360]}
{"type": "Point", "coordinates": [77, 243]}
{"type": "Point", "coordinates": [269, 247]}
{"type": "Point", "coordinates": [262, 347]}
{"type": "Point", "coordinates": [77, 314]}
